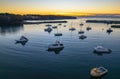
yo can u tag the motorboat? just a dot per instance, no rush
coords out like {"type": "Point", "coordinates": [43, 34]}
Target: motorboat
{"type": "Point", "coordinates": [82, 37]}
{"type": "Point", "coordinates": [81, 24]}
{"type": "Point", "coordinates": [54, 27]}
{"type": "Point", "coordinates": [49, 29]}
{"type": "Point", "coordinates": [72, 29]}
{"type": "Point", "coordinates": [56, 45]}
{"type": "Point", "coordinates": [22, 39]}
{"type": "Point", "coordinates": [109, 30]}
{"type": "Point", "coordinates": [101, 53]}
{"type": "Point", "coordinates": [59, 24]}
{"type": "Point", "coordinates": [101, 49]}
{"type": "Point", "coordinates": [56, 51]}
{"type": "Point", "coordinates": [98, 71]}
{"type": "Point", "coordinates": [48, 25]}
{"type": "Point", "coordinates": [81, 32]}
{"type": "Point", "coordinates": [64, 25]}
{"type": "Point", "coordinates": [88, 28]}
{"type": "Point", "coordinates": [58, 34]}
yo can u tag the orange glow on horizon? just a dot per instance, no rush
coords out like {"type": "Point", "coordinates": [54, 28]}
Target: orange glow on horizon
{"type": "Point", "coordinates": [62, 7]}
{"type": "Point", "coordinates": [58, 13]}
{"type": "Point", "coordinates": [66, 13]}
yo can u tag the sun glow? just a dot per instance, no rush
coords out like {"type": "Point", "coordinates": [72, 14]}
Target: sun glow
{"type": "Point", "coordinates": [61, 7]}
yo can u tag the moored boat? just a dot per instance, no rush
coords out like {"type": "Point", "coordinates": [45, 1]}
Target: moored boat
{"type": "Point", "coordinates": [98, 71]}
{"type": "Point", "coordinates": [22, 39]}
{"type": "Point", "coordinates": [72, 29]}
{"type": "Point", "coordinates": [101, 49]}
{"type": "Point", "coordinates": [58, 34]}
{"type": "Point", "coordinates": [80, 32]}
{"type": "Point", "coordinates": [81, 24]}
{"type": "Point", "coordinates": [49, 29]}
{"type": "Point", "coordinates": [56, 45]}
{"type": "Point", "coordinates": [88, 28]}
{"type": "Point", "coordinates": [82, 37]}
{"type": "Point", "coordinates": [109, 30]}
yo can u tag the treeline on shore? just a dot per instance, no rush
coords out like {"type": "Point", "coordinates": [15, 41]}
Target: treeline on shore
{"type": "Point", "coordinates": [13, 19]}
{"type": "Point", "coordinates": [10, 19]}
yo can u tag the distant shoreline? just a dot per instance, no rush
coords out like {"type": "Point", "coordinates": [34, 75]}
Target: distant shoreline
{"type": "Point", "coordinates": [103, 21]}
{"type": "Point", "coordinates": [12, 19]}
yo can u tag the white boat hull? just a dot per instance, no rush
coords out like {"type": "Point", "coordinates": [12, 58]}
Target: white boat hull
{"type": "Point", "coordinates": [98, 72]}
{"type": "Point", "coordinates": [55, 47]}
{"type": "Point", "coordinates": [100, 49]}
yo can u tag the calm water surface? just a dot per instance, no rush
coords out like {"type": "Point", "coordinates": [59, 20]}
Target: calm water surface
{"type": "Point", "coordinates": [33, 61]}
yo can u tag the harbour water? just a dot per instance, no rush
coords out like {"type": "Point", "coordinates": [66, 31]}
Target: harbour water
{"type": "Point", "coordinates": [33, 61]}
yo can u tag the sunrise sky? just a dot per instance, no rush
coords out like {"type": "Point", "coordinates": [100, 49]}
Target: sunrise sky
{"type": "Point", "coordinates": [60, 7]}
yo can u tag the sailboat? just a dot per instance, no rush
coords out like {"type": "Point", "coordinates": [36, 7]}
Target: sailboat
{"type": "Point", "coordinates": [101, 49]}
{"type": "Point", "coordinates": [23, 40]}
{"type": "Point", "coordinates": [72, 28]}
{"type": "Point", "coordinates": [82, 37]}
{"type": "Point", "coordinates": [81, 31]}
{"type": "Point", "coordinates": [48, 29]}
{"type": "Point", "coordinates": [54, 27]}
{"type": "Point", "coordinates": [48, 25]}
{"type": "Point", "coordinates": [58, 34]}
{"type": "Point", "coordinates": [56, 47]}
{"type": "Point", "coordinates": [109, 30]}
{"type": "Point", "coordinates": [81, 24]}
{"type": "Point", "coordinates": [88, 28]}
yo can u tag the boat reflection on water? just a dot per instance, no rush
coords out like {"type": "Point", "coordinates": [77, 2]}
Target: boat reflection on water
{"type": "Point", "coordinates": [95, 77]}
{"type": "Point", "coordinates": [22, 43]}
{"type": "Point", "coordinates": [101, 53]}
{"type": "Point", "coordinates": [23, 40]}
{"type": "Point", "coordinates": [101, 77]}
{"type": "Point", "coordinates": [56, 51]}
{"type": "Point", "coordinates": [109, 31]}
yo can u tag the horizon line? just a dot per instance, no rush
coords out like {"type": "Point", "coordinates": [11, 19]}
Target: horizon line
{"type": "Point", "coordinates": [64, 14]}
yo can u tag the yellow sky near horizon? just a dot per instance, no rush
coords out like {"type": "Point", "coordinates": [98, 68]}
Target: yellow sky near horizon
{"type": "Point", "coordinates": [60, 7]}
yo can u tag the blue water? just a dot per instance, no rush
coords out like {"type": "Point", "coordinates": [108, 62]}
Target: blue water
{"type": "Point", "coordinates": [33, 61]}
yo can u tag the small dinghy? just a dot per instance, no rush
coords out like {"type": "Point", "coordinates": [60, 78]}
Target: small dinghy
{"type": "Point", "coordinates": [58, 34]}
{"type": "Point", "coordinates": [81, 24]}
{"type": "Point", "coordinates": [64, 25]}
{"type": "Point", "coordinates": [80, 32]}
{"type": "Point", "coordinates": [49, 29]}
{"type": "Point", "coordinates": [60, 24]}
{"type": "Point", "coordinates": [101, 49]}
{"type": "Point", "coordinates": [72, 29]}
{"type": "Point", "coordinates": [54, 27]}
{"type": "Point", "coordinates": [82, 37]}
{"type": "Point", "coordinates": [48, 25]}
{"type": "Point", "coordinates": [98, 71]}
{"type": "Point", "coordinates": [22, 39]}
{"type": "Point", "coordinates": [56, 45]}
{"type": "Point", "coordinates": [88, 28]}
{"type": "Point", "coordinates": [109, 30]}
